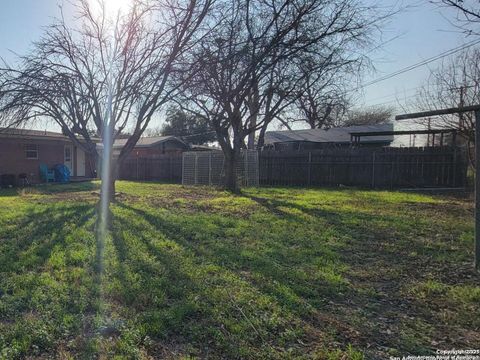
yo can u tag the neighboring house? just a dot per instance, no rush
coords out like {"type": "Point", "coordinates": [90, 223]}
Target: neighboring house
{"type": "Point", "coordinates": [154, 146]}
{"type": "Point", "coordinates": [397, 134]}
{"type": "Point", "coordinates": [22, 152]}
{"type": "Point", "coordinates": [310, 139]}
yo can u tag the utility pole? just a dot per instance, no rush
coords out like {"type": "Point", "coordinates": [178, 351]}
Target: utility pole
{"type": "Point", "coordinates": [477, 190]}
{"type": "Point", "coordinates": [461, 104]}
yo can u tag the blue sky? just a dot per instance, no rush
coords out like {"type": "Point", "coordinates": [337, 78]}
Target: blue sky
{"type": "Point", "coordinates": [423, 31]}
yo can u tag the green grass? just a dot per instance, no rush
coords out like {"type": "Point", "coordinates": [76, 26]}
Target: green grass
{"type": "Point", "coordinates": [193, 272]}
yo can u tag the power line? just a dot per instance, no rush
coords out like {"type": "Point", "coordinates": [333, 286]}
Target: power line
{"type": "Point", "coordinates": [426, 93]}
{"type": "Point", "coordinates": [417, 65]}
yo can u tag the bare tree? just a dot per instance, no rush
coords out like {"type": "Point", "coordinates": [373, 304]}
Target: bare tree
{"type": "Point", "coordinates": [467, 14]}
{"type": "Point", "coordinates": [456, 82]}
{"type": "Point", "coordinates": [251, 68]}
{"type": "Point", "coordinates": [369, 116]}
{"type": "Point", "coordinates": [103, 75]}
{"type": "Point", "coordinates": [321, 101]}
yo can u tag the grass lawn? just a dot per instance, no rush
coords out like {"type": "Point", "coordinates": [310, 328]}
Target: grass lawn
{"type": "Point", "coordinates": [192, 272]}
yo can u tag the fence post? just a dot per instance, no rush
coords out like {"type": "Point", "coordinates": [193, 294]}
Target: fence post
{"type": "Point", "coordinates": [309, 168]}
{"type": "Point", "coordinates": [394, 160]}
{"type": "Point", "coordinates": [137, 167]}
{"type": "Point", "coordinates": [183, 169]}
{"type": "Point", "coordinates": [373, 170]}
{"type": "Point", "coordinates": [210, 168]}
{"type": "Point", "coordinates": [196, 167]}
{"type": "Point", "coordinates": [245, 159]}
{"type": "Point", "coordinates": [454, 165]}
{"type": "Point", "coordinates": [257, 174]}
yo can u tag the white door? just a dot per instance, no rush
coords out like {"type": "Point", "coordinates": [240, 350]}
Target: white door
{"type": "Point", "coordinates": [68, 158]}
{"type": "Point", "coordinates": [80, 162]}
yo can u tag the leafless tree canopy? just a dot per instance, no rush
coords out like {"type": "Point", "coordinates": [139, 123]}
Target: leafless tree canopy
{"type": "Point", "coordinates": [259, 57]}
{"type": "Point", "coordinates": [369, 116]}
{"type": "Point", "coordinates": [467, 14]}
{"type": "Point", "coordinates": [456, 82]}
{"type": "Point", "coordinates": [66, 77]}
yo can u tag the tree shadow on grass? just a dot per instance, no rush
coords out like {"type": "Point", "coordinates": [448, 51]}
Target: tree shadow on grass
{"type": "Point", "coordinates": [46, 277]}
{"type": "Point", "coordinates": [283, 284]}
{"type": "Point", "coordinates": [373, 252]}
{"type": "Point", "coordinates": [385, 255]}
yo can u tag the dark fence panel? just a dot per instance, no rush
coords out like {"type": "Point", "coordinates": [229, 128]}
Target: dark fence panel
{"type": "Point", "coordinates": [159, 168]}
{"type": "Point", "coordinates": [366, 167]}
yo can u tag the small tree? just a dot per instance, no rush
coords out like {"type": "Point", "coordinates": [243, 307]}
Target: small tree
{"type": "Point", "coordinates": [102, 75]}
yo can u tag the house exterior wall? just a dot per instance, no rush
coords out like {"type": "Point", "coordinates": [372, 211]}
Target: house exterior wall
{"type": "Point", "coordinates": [13, 159]}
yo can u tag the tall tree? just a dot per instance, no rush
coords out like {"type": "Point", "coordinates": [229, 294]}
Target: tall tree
{"type": "Point", "coordinates": [250, 68]}
{"type": "Point", "coordinates": [103, 74]}
{"type": "Point", "coordinates": [191, 128]}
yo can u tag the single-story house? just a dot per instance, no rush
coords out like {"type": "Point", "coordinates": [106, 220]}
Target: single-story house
{"type": "Point", "coordinates": [23, 151]}
{"type": "Point", "coordinates": [397, 134]}
{"type": "Point", "coordinates": [154, 146]}
{"type": "Point", "coordinates": [310, 139]}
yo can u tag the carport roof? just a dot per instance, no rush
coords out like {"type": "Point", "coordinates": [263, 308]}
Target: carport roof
{"type": "Point", "coordinates": [333, 135]}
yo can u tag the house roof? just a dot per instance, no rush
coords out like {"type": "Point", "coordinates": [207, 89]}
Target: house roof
{"type": "Point", "coordinates": [43, 134]}
{"type": "Point", "coordinates": [333, 135]}
{"type": "Point", "coordinates": [14, 132]}
{"type": "Point", "coordinates": [148, 141]}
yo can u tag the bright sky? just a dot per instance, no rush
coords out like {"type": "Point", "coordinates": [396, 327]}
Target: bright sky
{"type": "Point", "coordinates": [423, 30]}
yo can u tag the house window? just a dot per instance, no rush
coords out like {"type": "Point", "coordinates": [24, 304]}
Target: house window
{"type": "Point", "coordinates": [31, 151]}
{"type": "Point", "coordinates": [68, 154]}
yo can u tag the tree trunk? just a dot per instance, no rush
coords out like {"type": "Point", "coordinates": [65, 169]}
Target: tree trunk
{"type": "Point", "coordinates": [261, 137]}
{"type": "Point", "coordinates": [111, 182]}
{"type": "Point", "coordinates": [231, 160]}
{"type": "Point", "coordinates": [251, 141]}
{"type": "Point", "coordinates": [108, 178]}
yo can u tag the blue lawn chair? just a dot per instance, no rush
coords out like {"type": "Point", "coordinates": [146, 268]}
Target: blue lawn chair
{"type": "Point", "coordinates": [46, 174]}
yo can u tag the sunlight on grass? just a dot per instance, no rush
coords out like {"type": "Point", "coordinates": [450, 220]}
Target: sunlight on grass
{"type": "Point", "coordinates": [198, 272]}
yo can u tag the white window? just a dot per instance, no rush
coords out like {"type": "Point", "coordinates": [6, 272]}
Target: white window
{"type": "Point", "coordinates": [68, 154]}
{"type": "Point", "coordinates": [31, 151]}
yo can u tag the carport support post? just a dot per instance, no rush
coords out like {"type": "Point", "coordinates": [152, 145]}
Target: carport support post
{"type": "Point", "coordinates": [477, 190]}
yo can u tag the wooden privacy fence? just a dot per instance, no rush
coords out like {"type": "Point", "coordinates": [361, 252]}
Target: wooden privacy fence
{"type": "Point", "coordinates": [158, 168]}
{"type": "Point", "coordinates": [377, 168]}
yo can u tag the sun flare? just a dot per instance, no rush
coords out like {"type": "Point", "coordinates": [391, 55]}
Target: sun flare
{"type": "Point", "coordinates": [112, 7]}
